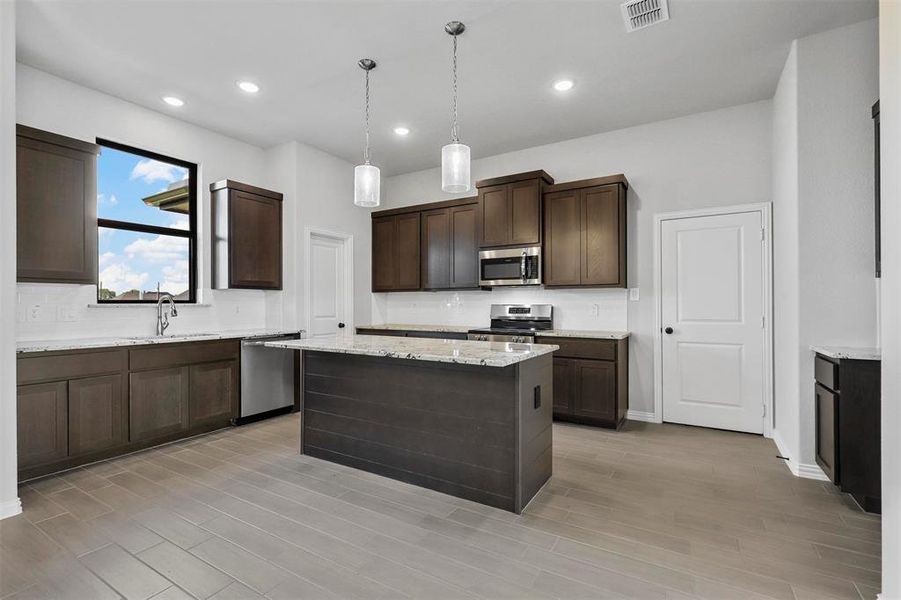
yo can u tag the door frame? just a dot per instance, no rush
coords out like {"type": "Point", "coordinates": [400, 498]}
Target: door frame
{"type": "Point", "coordinates": [348, 240]}
{"type": "Point", "coordinates": [765, 210]}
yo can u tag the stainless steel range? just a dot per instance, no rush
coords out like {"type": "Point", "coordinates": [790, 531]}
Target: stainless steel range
{"type": "Point", "coordinates": [515, 323]}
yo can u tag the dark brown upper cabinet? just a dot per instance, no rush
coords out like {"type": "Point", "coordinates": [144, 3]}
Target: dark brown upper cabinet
{"type": "Point", "coordinates": [247, 236]}
{"type": "Point", "coordinates": [395, 252]}
{"type": "Point", "coordinates": [56, 207]}
{"type": "Point", "coordinates": [450, 248]}
{"type": "Point", "coordinates": [510, 209]}
{"type": "Point", "coordinates": [585, 233]}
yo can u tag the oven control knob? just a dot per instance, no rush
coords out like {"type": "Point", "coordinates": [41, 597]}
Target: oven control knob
{"type": "Point", "coordinates": [483, 338]}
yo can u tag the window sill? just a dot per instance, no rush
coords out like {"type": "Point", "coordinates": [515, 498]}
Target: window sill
{"type": "Point", "coordinates": [179, 305]}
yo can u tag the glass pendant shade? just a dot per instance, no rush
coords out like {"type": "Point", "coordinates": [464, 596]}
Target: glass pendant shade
{"type": "Point", "coordinates": [455, 168]}
{"type": "Point", "coordinates": [367, 184]}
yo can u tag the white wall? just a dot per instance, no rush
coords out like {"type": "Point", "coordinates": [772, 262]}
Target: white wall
{"type": "Point", "coordinates": [60, 106]}
{"type": "Point", "coordinates": [890, 157]}
{"type": "Point", "coordinates": [9, 500]}
{"type": "Point", "coordinates": [324, 188]}
{"type": "Point", "coordinates": [717, 158]}
{"type": "Point", "coordinates": [786, 346]}
{"type": "Point", "coordinates": [837, 86]}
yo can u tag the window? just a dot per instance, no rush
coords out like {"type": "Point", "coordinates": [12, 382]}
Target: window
{"type": "Point", "coordinates": [147, 226]}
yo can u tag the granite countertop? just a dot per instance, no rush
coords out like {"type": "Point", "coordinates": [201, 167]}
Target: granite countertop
{"type": "Point", "coordinates": [23, 346]}
{"type": "Point", "coordinates": [464, 352]}
{"type": "Point", "coordinates": [420, 327]}
{"type": "Point", "coordinates": [584, 333]}
{"type": "Point", "coordinates": [848, 352]}
{"type": "Point", "coordinates": [573, 333]}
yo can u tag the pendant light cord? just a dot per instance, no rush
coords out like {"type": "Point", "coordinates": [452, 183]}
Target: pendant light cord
{"type": "Point", "coordinates": [454, 136]}
{"type": "Point", "coordinates": [366, 151]}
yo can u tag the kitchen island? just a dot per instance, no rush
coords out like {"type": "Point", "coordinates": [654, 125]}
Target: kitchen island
{"type": "Point", "coordinates": [470, 419]}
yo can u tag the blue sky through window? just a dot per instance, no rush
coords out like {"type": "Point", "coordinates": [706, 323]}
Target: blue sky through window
{"type": "Point", "coordinates": [138, 261]}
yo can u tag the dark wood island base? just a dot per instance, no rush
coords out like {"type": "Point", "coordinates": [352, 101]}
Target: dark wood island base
{"type": "Point", "coordinates": [476, 432]}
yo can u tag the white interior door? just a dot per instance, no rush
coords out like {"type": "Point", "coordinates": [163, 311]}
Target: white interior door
{"type": "Point", "coordinates": [328, 284]}
{"type": "Point", "coordinates": [712, 313]}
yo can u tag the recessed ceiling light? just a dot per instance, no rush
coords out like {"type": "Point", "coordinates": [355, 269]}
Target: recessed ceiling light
{"type": "Point", "coordinates": [173, 101]}
{"type": "Point", "coordinates": [564, 85]}
{"type": "Point", "coordinates": [248, 86]}
{"type": "Point", "coordinates": [401, 130]}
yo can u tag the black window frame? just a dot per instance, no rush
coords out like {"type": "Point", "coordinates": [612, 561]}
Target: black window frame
{"type": "Point", "coordinates": [190, 235]}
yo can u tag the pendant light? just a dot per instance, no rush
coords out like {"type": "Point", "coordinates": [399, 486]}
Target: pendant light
{"type": "Point", "coordinates": [455, 156]}
{"type": "Point", "coordinates": [367, 179]}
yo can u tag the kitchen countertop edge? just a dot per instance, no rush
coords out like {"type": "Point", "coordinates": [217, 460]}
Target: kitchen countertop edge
{"type": "Point", "coordinates": [463, 352]}
{"type": "Point", "coordinates": [848, 352]}
{"type": "Point", "coordinates": [38, 346]}
{"type": "Point", "coordinates": [563, 333]}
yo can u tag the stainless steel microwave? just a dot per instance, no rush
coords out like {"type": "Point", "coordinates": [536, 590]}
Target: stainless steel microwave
{"type": "Point", "coordinates": [510, 266]}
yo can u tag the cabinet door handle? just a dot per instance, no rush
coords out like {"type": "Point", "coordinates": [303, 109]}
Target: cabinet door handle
{"type": "Point", "coordinates": [668, 331]}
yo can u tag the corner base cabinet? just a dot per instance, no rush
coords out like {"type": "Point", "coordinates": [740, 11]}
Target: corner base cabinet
{"type": "Point", "coordinates": [848, 421]}
{"type": "Point", "coordinates": [591, 381]}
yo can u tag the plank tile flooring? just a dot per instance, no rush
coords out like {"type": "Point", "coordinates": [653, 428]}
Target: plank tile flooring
{"type": "Point", "coordinates": [654, 511]}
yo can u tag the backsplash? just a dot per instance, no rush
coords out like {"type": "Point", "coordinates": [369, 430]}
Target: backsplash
{"type": "Point", "coordinates": [594, 309]}
{"type": "Point", "coordinates": [50, 311]}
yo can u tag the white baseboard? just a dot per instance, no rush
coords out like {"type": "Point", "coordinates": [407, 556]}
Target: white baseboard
{"type": "Point", "coordinates": [640, 415]}
{"type": "Point", "coordinates": [807, 471]}
{"type": "Point", "coordinates": [10, 508]}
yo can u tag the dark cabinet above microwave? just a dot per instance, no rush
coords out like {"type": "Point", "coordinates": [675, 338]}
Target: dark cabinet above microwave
{"type": "Point", "coordinates": [510, 209]}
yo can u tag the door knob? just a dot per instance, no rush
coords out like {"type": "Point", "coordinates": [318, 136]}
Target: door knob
{"type": "Point", "coordinates": [668, 331]}
{"type": "Point", "coordinates": [340, 325]}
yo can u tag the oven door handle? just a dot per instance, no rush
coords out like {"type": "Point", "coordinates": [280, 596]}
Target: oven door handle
{"type": "Point", "coordinates": [522, 265]}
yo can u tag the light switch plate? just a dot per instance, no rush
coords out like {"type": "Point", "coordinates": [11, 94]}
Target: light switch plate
{"type": "Point", "coordinates": [633, 294]}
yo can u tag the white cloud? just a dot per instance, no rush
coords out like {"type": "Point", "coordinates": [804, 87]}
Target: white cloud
{"type": "Point", "coordinates": [159, 249]}
{"type": "Point", "coordinates": [106, 258]}
{"type": "Point", "coordinates": [120, 278]}
{"type": "Point", "coordinates": [113, 200]}
{"type": "Point", "coordinates": [181, 223]}
{"type": "Point", "coordinates": [153, 170]}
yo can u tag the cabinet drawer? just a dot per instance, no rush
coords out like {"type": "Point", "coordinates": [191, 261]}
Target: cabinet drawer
{"type": "Point", "coordinates": [182, 353]}
{"type": "Point", "coordinates": [826, 373]}
{"type": "Point", "coordinates": [582, 348]}
{"type": "Point", "coordinates": [69, 366]}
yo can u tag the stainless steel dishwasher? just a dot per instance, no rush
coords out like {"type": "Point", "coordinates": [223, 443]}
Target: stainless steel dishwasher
{"type": "Point", "coordinates": [267, 378]}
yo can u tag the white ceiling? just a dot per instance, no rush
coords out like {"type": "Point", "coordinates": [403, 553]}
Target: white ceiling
{"type": "Point", "coordinates": [711, 54]}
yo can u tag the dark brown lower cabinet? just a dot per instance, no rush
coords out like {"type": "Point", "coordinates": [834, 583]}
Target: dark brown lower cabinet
{"type": "Point", "coordinates": [42, 410]}
{"type": "Point", "coordinates": [848, 423]}
{"type": "Point", "coordinates": [827, 432]}
{"type": "Point", "coordinates": [80, 406]}
{"type": "Point", "coordinates": [214, 392]}
{"type": "Point", "coordinates": [158, 403]}
{"type": "Point", "coordinates": [591, 381]}
{"type": "Point", "coordinates": [98, 413]}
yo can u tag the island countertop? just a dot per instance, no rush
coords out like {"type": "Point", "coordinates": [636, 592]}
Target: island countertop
{"type": "Point", "coordinates": [464, 352]}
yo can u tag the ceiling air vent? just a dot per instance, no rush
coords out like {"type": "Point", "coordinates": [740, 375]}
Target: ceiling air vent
{"type": "Point", "coordinates": [639, 14]}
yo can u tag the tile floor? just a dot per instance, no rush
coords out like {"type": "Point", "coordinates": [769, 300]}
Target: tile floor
{"type": "Point", "coordinates": [653, 511]}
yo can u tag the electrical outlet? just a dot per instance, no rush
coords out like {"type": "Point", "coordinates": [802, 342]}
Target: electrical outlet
{"type": "Point", "coordinates": [65, 312]}
{"type": "Point", "coordinates": [633, 294]}
{"type": "Point", "coordinates": [595, 310]}
{"type": "Point", "coordinates": [35, 313]}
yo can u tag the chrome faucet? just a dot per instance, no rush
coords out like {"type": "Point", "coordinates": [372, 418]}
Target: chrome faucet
{"type": "Point", "coordinates": [162, 317]}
